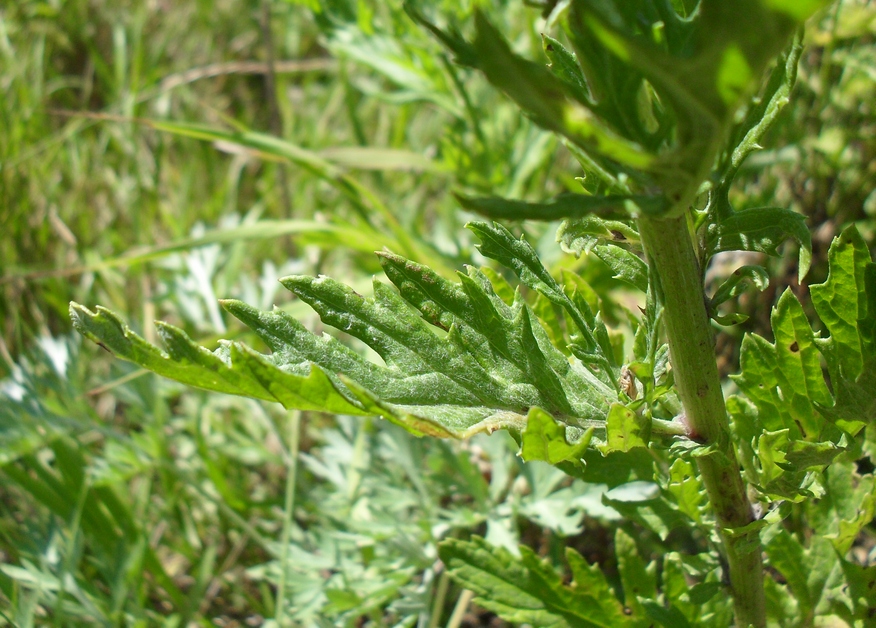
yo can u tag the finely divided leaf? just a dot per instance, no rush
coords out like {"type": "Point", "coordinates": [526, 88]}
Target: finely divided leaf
{"type": "Point", "coordinates": [626, 266]}
{"type": "Point", "coordinates": [564, 65]}
{"type": "Point", "coordinates": [544, 97]}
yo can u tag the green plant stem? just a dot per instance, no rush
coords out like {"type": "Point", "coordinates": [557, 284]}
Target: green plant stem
{"type": "Point", "coordinates": [669, 247]}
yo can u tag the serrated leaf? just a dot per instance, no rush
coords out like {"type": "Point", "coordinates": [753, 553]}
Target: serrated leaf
{"type": "Point", "coordinates": [785, 380]}
{"type": "Point", "coordinates": [842, 303]}
{"type": "Point", "coordinates": [185, 361]}
{"type": "Point", "coordinates": [457, 359]}
{"type": "Point", "coordinates": [687, 489]}
{"type": "Point", "coordinates": [803, 456]}
{"type": "Point", "coordinates": [701, 68]}
{"type": "Point", "coordinates": [591, 579]}
{"type": "Point", "coordinates": [786, 375]}
{"type": "Point", "coordinates": [526, 589]}
{"type": "Point", "coordinates": [499, 244]}
{"type": "Point", "coordinates": [761, 230]}
{"type": "Point", "coordinates": [564, 65]}
{"type": "Point", "coordinates": [760, 116]}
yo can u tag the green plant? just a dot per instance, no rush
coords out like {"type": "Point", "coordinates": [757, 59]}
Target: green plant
{"type": "Point", "coordinates": [654, 100]}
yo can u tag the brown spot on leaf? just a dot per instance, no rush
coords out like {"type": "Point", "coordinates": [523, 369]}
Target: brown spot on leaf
{"type": "Point", "coordinates": [794, 347]}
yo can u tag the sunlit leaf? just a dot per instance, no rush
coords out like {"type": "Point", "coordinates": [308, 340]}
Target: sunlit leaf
{"type": "Point", "coordinates": [457, 359]}
{"type": "Point", "coordinates": [786, 382]}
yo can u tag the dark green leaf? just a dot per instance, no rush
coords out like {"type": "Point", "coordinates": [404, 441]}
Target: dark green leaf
{"type": "Point", "coordinates": [543, 96]}
{"type": "Point", "coordinates": [669, 617]}
{"type": "Point", "coordinates": [616, 468]}
{"type": "Point", "coordinates": [564, 206]}
{"type": "Point", "coordinates": [564, 65]}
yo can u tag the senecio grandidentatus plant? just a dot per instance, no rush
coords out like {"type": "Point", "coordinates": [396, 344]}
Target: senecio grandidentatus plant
{"type": "Point", "coordinates": [660, 101]}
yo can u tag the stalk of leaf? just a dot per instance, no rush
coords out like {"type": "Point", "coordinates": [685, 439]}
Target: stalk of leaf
{"type": "Point", "coordinates": [671, 253]}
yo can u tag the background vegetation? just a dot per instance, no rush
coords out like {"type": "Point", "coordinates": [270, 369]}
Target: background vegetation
{"type": "Point", "coordinates": [149, 162]}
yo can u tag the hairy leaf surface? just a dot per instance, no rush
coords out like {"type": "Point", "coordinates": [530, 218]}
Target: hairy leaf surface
{"type": "Point", "coordinates": [457, 359]}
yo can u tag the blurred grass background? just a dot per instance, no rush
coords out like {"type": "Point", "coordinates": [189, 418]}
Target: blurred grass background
{"type": "Point", "coordinates": [151, 162]}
